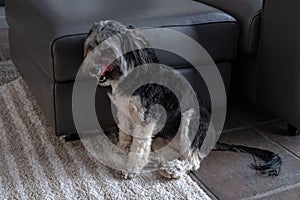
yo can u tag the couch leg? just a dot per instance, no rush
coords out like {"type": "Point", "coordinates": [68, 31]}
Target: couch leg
{"type": "Point", "coordinates": [292, 130]}
{"type": "Point", "coordinates": [72, 137]}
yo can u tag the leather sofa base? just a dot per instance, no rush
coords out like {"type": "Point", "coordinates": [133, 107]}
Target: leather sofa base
{"type": "Point", "coordinates": [55, 99]}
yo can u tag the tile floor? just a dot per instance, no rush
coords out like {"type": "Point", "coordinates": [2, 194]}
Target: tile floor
{"type": "Point", "coordinates": [227, 175]}
{"type": "Point", "coordinates": [3, 23]}
{"type": "Point", "coordinates": [4, 45]}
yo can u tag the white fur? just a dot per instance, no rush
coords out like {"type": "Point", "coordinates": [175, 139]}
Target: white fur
{"type": "Point", "coordinates": [130, 114]}
{"type": "Point", "coordinates": [190, 160]}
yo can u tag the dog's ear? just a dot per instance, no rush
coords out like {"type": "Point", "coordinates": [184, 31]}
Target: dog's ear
{"type": "Point", "coordinates": [88, 41]}
{"type": "Point", "coordinates": [91, 38]}
{"type": "Point", "coordinates": [87, 47]}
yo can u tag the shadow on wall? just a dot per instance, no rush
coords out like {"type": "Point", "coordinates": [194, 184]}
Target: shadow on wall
{"type": "Point", "coordinates": [2, 2]}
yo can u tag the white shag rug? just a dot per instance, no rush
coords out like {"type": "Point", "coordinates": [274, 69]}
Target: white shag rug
{"type": "Point", "coordinates": [35, 164]}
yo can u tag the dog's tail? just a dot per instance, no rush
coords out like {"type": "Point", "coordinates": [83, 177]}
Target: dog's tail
{"type": "Point", "coordinates": [272, 162]}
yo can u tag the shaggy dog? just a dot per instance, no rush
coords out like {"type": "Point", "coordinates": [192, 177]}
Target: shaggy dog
{"type": "Point", "coordinates": [137, 119]}
{"type": "Point", "coordinates": [136, 122]}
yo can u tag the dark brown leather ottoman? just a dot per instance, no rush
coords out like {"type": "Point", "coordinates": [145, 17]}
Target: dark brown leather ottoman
{"type": "Point", "coordinates": [46, 39]}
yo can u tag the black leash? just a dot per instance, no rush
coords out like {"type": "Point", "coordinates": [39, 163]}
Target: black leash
{"type": "Point", "coordinates": [271, 161]}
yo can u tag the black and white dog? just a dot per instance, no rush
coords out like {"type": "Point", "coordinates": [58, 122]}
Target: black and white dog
{"type": "Point", "coordinates": [137, 124]}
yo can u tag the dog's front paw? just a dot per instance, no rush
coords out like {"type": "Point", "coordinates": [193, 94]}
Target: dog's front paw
{"type": "Point", "coordinates": [173, 169]}
{"type": "Point", "coordinates": [124, 146]}
{"type": "Point", "coordinates": [126, 175]}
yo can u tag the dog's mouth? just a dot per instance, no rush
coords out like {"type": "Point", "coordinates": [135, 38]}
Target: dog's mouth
{"type": "Point", "coordinates": [102, 79]}
{"type": "Point", "coordinates": [103, 72]}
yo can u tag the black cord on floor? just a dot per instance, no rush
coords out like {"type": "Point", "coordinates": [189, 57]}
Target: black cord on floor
{"type": "Point", "coordinates": [271, 161]}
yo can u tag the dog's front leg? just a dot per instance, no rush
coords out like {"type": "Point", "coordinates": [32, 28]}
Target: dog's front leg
{"type": "Point", "coordinates": [190, 158]}
{"type": "Point", "coordinates": [124, 140]}
{"type": "Point", "coordinates": [124, 122]}
{"type": "Point", "coordinates": [125, 131]}
{"type": "Point", "coordinates": [140, 150]}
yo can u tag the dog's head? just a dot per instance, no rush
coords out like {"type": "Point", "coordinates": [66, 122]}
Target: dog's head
{"type": "Point", "coordinates": [104, 48]}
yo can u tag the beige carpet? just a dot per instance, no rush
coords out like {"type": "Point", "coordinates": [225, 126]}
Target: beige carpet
{"type": "Point", "coordinates": [8, 72]}
{"type": "Point", "coordinates": [34, 164]}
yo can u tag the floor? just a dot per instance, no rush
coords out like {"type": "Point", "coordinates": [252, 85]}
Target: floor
{"type": "Point", "coordinates": [4, 45]}
{"type": "Point", "coordinates": [227, 175]}
{"type": "Point", "coordinates": [3, 23]}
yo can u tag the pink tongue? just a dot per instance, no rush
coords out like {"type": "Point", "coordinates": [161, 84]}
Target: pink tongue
{"type": "Point", "coordinates": [105, 69]}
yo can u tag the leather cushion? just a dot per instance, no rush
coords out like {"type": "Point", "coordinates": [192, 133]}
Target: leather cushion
{"type": "Point", "coordinates": [52, 32]}
{"type": "Point", "coordinates": [248, 14]}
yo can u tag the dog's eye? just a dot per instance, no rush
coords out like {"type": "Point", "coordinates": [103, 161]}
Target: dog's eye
{"type": "Point", "coordinates": [94, 70]}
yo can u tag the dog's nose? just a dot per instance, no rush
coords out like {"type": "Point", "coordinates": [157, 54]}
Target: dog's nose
{"type": "Point", "coordinates": [94, 70]}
